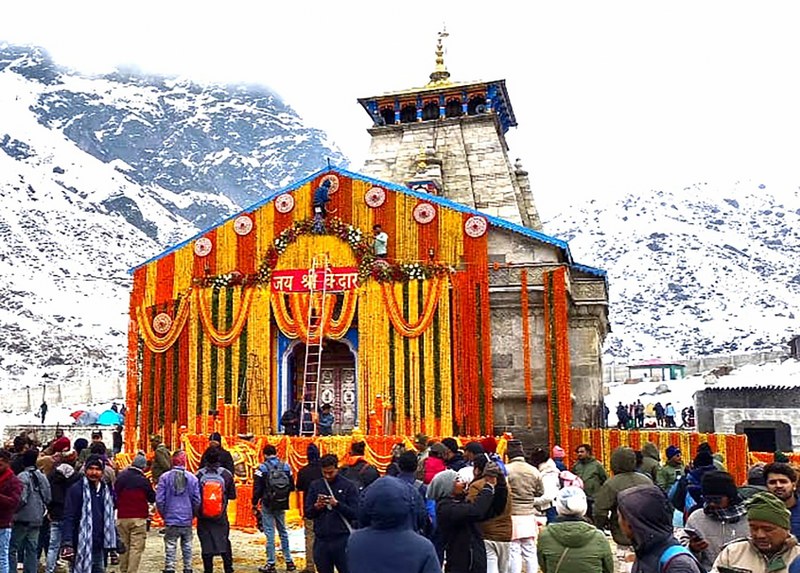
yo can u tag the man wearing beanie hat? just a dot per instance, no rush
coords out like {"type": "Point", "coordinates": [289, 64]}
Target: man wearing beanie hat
{"type": "Point", "coordinates": [721, 521]}
{"type": "Point", "coordinates": [571, 541]}
{"type": "Point", "coordinates": [671, 471]}
{"type": "Point", "coordinates": [525, 485]}
{"type": "Point", "coordinates": [781, 480]}
{"type": "Point", "coordinates": [558, 454]}
{"type": "Point", "coordinates": [770, 548]}
{"type": "Point", "coordinates": [134, 493]}
{"type": "Point", "coordinates": [225, 457]}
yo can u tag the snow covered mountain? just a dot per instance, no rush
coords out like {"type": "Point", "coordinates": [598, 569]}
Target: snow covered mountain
{"type": "Point", "coordinates": [700, 270]}
{"type": "Point", "coordinates": [100, 173]}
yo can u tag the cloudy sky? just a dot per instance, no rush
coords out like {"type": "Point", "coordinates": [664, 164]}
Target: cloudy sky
{"type": "Point", "coordinates": [611, 97]}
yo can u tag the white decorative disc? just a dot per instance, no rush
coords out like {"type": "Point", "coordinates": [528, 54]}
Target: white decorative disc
{"type": "Point", "coordinates": [375, 197]}
{"type": "Point", "coordinates": [162, 322]}
{"type": "Point", "coordinates": [284, 203]}
{"type": "Point", "coordinates": [334, 183]}
{"type": "Point", "coordinates": [475, 226]}
{"type": "Point", "coordinates": [243, 225]}
{"type": "Point", "coordinates": [202, 246]}
{"type": "Point", "coordinates": [424, 213]}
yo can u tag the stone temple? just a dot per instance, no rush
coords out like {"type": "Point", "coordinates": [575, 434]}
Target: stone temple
{"type": "Point", "coordinates": [474, 322]}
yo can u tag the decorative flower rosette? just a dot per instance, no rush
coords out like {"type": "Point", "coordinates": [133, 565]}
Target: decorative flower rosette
{"type": "Point", "coordinates": [162, 322]}
{"type": "Point", "coordinates": [202, 246]}
{"type": "Point", "coordinates": [424, 213]}
{"type": "Point", "coordinates": [476, 226]}
{"type": "Point", "coordinates": [243, 225]}
{"type": "Point", "coordinates": [334, 183]}
{"type": "Point", "coordinates": [284, 203]}
{"type": "Point", "coordinates": [375, 197]}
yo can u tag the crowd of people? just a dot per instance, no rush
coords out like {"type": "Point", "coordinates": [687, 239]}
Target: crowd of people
{"type": "Point", "coordinates": [637, 415]}
{"type": "Point", "coordinates": [438, 507]}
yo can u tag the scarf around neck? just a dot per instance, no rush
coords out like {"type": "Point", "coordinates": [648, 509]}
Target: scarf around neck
{"type": "Point", "coordinates": [83, 556]}
{"type": "Point", "coordinates": [730, 514]}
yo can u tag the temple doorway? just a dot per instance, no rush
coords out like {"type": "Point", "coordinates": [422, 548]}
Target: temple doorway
{"type": "Point", "coordinates": [337, 381]}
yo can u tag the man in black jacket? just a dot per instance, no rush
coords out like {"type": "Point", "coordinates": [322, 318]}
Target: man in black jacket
{"type": "Point", "coordinates": [61, 478]}
{"type": "Point", "coordinates": [305, 477]}
{"type": "Point", "coordinates": [272, 485]}
{"type": "Point", "coordinates": [225, 457]}
{"type": "Point", "coordinates": [332, 503]}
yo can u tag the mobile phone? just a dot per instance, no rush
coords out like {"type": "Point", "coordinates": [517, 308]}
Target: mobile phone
{"type": "Point", "coordinates": [693, 533]}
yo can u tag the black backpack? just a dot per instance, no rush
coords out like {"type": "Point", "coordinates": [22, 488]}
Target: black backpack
{"type": "Point", "coordinates": [278, 484]}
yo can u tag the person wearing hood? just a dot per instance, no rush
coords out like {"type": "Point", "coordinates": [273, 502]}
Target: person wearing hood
{"type": "Point", "coordinates": [525, 485]}
{"type": "Point", "coordinates": [29, 516]}
{"type": "Point", "coordinates": [358, 469]}
{"type": "Point", "coordinates": [496, 528]}
{"type": "Point", "coordinates": [407, 465]}
{"type": "Point", "coordinates": [134, 494]}
{"type": "Point", "coordinates": [88, 530]}
{"type": "Point", "coordinates": [651, 461]}
{"type": "Point", "coordinates": [61, 479]}
{"type": "Point", "coordinates": [456, 518]}
{"type": "Point", "coordinates": [10, 493]}
{"type": "Point", "coordinates": [550, 481]}
{"type": "Point", "coordinates": [702, 464]}
{"type": "Point", "coordinates": [722, 520]}
{"type": "Point", "coordinates": [388, 543]}
{"type": "Point", "coordinates": [756, 482]}
{"type": "Point", "coordinates": [571, 544]}
{"type": "Point", "coordinates": [162, 462]}
{"type": "Point", "coordinates": [305, 476]}
{"type": "Point", "coordinates": [671, 471]}
{"type": "Point", "coordinates": [771, 546]}
{"type": "Point", "coordinates": [645, 517]}
{"type": "Point", "coordinates": [623, 466]}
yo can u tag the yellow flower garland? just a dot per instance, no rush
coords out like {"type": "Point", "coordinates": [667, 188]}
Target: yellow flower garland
{"type": "Point", "coordinates": [158, 343]}
{"type": "Point", "coordinates": [217, 336]}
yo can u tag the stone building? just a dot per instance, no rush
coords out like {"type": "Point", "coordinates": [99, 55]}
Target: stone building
{"type": "Point", "coordinates": [477, 322]}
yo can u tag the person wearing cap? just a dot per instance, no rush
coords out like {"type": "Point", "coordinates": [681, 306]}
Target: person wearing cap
{"type": "Point", "coordinates": [558, 454]}
{"type": "Point", "coordinates": [434, 463]}
{"type": "Point", "coordinates": [88, 530]}
{"type": "Point", "coordinates": [671, 471]}
{"type": "Point", "coordinates": [497, 527]}
{"type": "Point", "coordinates": [645, 517]}
{"type": "Point", "coordinates": [456, 517]}
{"type": "Point", "coordinates": [10, 493]}
{"type": "Point", "coordinates": [134, 494]}
{"type": "Point", "coordinates": [756, 482]}
{"type": "Point", "coordinates": [225, 457]}
{"type": "Point", "coordinates": [453, 458]}
{"type": "Point", "coordinates": [29, 516]}
{"type": "Point", "coordinates": [721, 521]}
{"type": "Point", "coordinates": [770, 548]}
{"type": "Point", "coordinates": [61, 479]}
{"type": "Point", "coordinates": [162, 461]}
{"type": "Point", "coordinates": [571, 541]}
{"type": "Point", "coordinates": [525, 485]}
{"type": "Point", "coordinates": [781, 479]}
{"type": "Point", "coordinates": [178, 501]}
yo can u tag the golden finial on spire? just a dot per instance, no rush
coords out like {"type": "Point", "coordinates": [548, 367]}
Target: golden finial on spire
{"type": "Point", "coordinates": [440, 75]}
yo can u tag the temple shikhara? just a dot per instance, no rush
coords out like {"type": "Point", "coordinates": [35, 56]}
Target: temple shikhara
{"type": "Point", "coordinates": [472, 322]}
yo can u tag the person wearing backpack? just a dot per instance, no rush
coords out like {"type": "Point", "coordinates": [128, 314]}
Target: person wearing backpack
{"type": "Point", "coordinates": [29, 516]}
{"type": "Point", "coordinates": [178, 500]}
{"type": "Point", "coordinates": [645, 517]}
{"type": "Point", "coordinates": [213, 529]}
{"type": "Point", "coordinates": [272, 485]}
{"type": "Point", "coordinates": [358, 470]}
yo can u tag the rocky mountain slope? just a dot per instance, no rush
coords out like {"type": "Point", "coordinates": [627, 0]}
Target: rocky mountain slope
{"type": "Point", "coordinates": [700, 270]}
{"type": "Point", "coordinates": [100, 173]}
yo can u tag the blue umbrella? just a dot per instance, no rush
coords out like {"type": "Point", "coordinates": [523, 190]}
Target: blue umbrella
{"type": "Point", "coordinates": [109, 418]}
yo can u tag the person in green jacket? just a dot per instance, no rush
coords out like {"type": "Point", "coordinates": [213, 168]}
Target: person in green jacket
{"type": "Point", "coordinates": [671, 471]}
{"type": "Point", "coordinates": [570, 544]}
{"type": "Point", "coordinates": [623, 465]}
{"type": "Point", "coordinates": [591, 472]}
{"type": "Point", "coordinates": [651, 461]}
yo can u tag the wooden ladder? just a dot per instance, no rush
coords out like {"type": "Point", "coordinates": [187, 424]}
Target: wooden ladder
{"type": "Point", "coordinates": [313, 360]}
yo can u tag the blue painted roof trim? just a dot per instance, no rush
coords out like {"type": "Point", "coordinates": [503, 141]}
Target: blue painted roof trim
{"type": "Point", "coordinates": [495, 221]}
{"type": "Point", "coordinates": [590, 270]}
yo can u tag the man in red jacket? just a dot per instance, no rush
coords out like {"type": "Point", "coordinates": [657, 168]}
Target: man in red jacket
{"type": "Point", "coordinates": [134, 493]}
{"type": "Point", "coordinates": [10, 493]}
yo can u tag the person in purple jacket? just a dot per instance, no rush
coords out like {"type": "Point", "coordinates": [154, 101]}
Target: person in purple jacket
{"type": "Point", "coordinates": [178, 500]}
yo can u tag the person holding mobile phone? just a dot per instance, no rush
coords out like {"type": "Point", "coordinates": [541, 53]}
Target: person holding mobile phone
{"type": "Point", "coordinates": [721, 520]}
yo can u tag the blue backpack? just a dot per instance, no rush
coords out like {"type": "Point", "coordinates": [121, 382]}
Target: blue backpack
{"type": "Point", "coordinates": [671, 553]}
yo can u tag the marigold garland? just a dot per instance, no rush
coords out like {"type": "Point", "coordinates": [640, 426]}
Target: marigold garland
{"type": "Point", "coordinates": [293, 321]}
{"type": "Point", "coordinates": [557, 362]}
{"type": "Point", "coordinates": [225, 338]}
{"type": "Point", "coordinates": [412, 328]}
{"type": "Point", "coordinates": [158, 343]}
{"type": "Point", "coordinates": [526, 346]}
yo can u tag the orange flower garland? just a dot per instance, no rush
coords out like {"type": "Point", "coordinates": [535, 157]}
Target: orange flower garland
{"type": "Point", "coordinates": [557, 362]}
{"type": "Point", "coordinates": [293, 321]}
{"type": "Point", "coordinates": [158, 343]}
{"type": "Point", "coordinates": [526, 346]}
{"type": "Point", "coordinates": [408, 328]}
{"type": "Point", "coordinates": [218, 337]}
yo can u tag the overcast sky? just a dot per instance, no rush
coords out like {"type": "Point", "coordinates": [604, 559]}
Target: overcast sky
{"type": "Point", "coordinates": [610, 97]}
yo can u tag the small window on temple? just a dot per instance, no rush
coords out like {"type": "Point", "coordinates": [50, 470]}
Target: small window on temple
{"type": "Point", "coordinates": [387, 114]}
{"type": "Point", "coordinates": [408, 114]}
{"type": "Point", "coordinates": [430, 111]}
{"type": "Point", "coordinates": [453, 108]}
{"type": "Point", "coordinates": [476, 105]}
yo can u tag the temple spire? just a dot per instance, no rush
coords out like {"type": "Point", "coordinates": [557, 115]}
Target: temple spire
{"type": "Point", "coordinates": [440, 75]}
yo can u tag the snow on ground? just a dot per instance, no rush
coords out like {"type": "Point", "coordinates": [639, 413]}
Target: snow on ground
{"type": "Point", "coordinates": [55, 415]}
{"type": "Point", "coordinates": [681, 394]}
